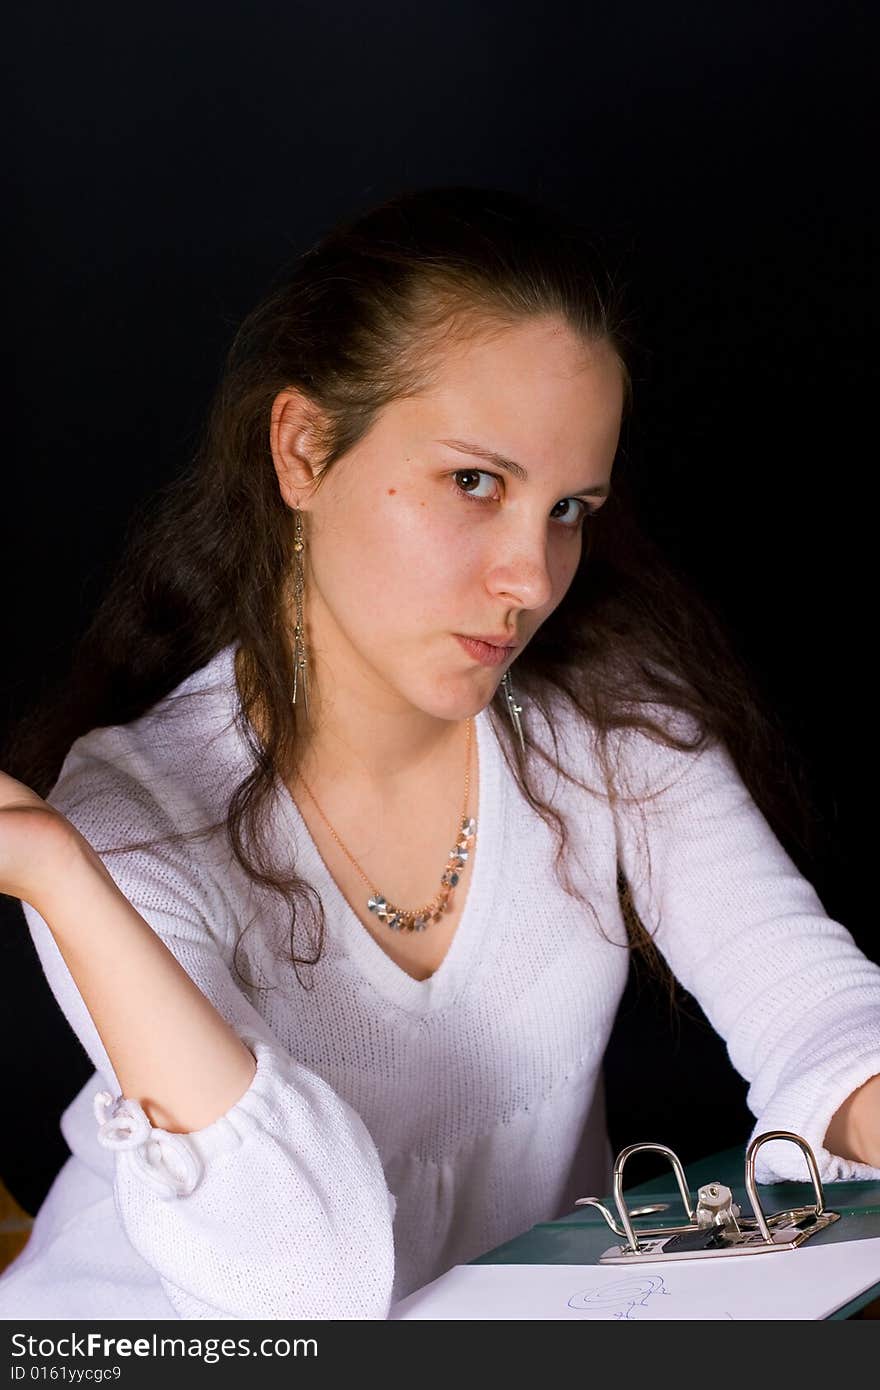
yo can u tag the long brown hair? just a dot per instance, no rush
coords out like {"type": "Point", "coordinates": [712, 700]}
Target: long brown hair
{"type": "Point", "coordinates": [354, 325]}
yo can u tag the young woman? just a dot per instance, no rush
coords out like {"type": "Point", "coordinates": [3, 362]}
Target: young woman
{"type": "Point", "coordinates": [389, 741]}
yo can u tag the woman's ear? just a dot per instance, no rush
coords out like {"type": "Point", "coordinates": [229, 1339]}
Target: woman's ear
{"type": "Point", "coordinates": [293, 442]}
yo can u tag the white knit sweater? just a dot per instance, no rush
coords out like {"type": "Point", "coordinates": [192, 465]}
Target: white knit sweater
{"type": "Point", "coordinates": [396, 1127]}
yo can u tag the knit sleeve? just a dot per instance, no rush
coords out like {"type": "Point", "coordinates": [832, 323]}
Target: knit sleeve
{"type": "Point", "coordinates": [279, 1208]}
{"type": "Point", "coordinates": [796, 1001]}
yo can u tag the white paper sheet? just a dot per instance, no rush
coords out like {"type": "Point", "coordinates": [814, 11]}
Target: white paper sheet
{"type": "Point", "coordinates": [809, 1282]}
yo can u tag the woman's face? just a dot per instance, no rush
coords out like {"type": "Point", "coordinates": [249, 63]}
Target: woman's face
{"type": "Point", "coordinates": [412, 540]}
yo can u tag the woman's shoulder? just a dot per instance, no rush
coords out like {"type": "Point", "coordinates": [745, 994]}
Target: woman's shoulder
{"type": "Point", "coordinates": [172, 763]}
{"type": "Point", "coordinates": [643, 745]}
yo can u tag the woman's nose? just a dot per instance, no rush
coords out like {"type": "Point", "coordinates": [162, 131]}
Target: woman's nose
{"type": "Point", "coordinates": [522, 573]}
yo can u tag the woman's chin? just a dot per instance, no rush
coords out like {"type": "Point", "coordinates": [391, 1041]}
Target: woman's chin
{"type": "Point", "coordinates": [460, 705]}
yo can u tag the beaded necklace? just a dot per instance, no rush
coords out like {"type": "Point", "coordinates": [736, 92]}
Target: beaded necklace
{"type": "Point", "coordinates": [417, 919]}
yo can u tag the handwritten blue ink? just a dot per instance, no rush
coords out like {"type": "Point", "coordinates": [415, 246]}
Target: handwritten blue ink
{"type": "Point", "coordinates": [618, 1300]}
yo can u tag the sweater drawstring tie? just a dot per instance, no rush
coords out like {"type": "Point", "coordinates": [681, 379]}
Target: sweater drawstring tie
{"type": "Point", "coordinates": [166, 1162]}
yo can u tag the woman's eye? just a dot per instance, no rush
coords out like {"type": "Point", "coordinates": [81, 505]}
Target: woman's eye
{"type": "Point", "coordinates": [575, 517]}
{"type": "Point", "coordinates": [466, 490]}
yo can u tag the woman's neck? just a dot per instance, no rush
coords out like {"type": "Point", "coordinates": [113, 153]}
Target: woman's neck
{"type": "Point", "coordinates": [379, 751]}
{"type": "Point", "coordinates": [385, 759]}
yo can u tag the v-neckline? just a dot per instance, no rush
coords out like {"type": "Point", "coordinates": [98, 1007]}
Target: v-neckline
{"type": "Point", "coordinates": [368, 957]}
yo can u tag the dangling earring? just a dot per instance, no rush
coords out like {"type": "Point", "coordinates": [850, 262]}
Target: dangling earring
{"type": "Point", "coordinates": [300, 654]}
{"type": "Point", "coordinates": [513, 708]}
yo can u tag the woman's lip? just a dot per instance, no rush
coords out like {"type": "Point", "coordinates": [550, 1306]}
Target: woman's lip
{"type": "Point", "coordinates": [486, 653]}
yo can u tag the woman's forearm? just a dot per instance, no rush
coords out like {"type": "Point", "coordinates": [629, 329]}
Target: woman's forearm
{"type": "Point", "coordinates": [854, 1131]}
{"type": "Point", "coordinates": [170, 1048]}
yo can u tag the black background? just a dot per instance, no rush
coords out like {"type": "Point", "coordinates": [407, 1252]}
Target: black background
{"type": "Point", "coordinates": [166, 161]}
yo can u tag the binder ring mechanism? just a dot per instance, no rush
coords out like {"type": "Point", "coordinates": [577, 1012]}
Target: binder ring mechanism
{"type": "Point", "coordinates": [715, 1226]}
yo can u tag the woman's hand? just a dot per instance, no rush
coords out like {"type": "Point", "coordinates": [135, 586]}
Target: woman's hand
{"type": "Point", "coordinates": [35, 842]}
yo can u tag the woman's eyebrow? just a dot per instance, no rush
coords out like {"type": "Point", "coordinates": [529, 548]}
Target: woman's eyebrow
{"type": "Point", "coordinates": [466, 446]}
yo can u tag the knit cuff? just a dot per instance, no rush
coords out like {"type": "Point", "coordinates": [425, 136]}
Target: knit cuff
{"type": "Point", "coordinates": [174, 1164]}
{"type": "Point", "coordinates": [779, 1161]}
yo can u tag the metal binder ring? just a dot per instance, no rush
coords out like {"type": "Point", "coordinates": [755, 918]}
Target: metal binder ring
{"type": "Point", "coordinates": [618, 1185]}
{"type": "Point", "coordinates": [751, 1188]}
